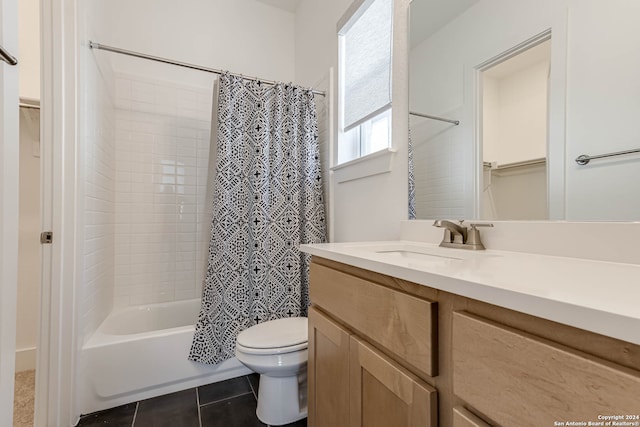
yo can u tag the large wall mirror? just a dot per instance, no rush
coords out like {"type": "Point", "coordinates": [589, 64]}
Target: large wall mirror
{"type": "Point", "coordinates": [505, 97]}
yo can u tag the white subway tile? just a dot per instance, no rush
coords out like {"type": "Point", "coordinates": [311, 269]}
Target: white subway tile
{"type": "Point", "coordinates": [123, 88]}
{"type": "Point", "coordinates": [186, 294]}
{"type": "Point", "coordinates": [160, 185]}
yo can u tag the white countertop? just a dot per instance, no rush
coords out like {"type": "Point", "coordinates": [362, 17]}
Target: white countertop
{"type": "Point", "coordinates": [598, 296]}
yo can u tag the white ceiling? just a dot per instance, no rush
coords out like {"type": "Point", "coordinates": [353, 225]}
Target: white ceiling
{"type": "Point", "coordinates": [289, 5]}
{"type": "Point", "coordinates": [428, 16]}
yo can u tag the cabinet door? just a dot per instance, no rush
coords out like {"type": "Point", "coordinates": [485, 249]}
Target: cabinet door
{"type": "Point", "coordinates": [464, 418]}
{"type": "Point", "coordinates": [383, 394]}
{"type": "Point", "coordinates": [328, 372]}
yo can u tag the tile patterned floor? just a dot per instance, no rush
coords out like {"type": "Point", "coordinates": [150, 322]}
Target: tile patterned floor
{"type": "Point", "coordinates": [230, 403]}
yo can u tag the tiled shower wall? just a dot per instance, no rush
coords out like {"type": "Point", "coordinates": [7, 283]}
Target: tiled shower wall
{"type": "Point", "coordinates": [438, 170]}
{"type": "Point", "coordinates": [98, 184]}
{"type": "Point", "coordinates": [161, 218]}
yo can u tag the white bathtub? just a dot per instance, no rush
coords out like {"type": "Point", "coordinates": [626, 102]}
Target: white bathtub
{"type": "Point", "coordinates": [141, 352]}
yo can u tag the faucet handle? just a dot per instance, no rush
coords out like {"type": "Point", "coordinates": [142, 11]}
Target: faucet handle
{"type": "Point", "coordinates": [480, 224]}
{"type": "Point", "coordinates": [474, 241]}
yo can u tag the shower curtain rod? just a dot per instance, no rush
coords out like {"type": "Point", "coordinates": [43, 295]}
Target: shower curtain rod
{"type": "Point", "coordinates": [442, 119]}
{"type": "Point", "coordinates": [94, 45]}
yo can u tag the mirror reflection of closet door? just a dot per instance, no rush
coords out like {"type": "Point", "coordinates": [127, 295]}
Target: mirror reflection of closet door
{"type": "Point", "coordinates": [514, 105]}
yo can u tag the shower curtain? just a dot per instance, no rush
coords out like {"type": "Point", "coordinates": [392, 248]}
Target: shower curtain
{"type": "Point", "coordinates": [267, 201]}
{"type": "Point", "coordinates": [412, 181]}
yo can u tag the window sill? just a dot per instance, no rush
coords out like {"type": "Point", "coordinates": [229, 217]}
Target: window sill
{"type": "Point", "coordinates": [362, 167]}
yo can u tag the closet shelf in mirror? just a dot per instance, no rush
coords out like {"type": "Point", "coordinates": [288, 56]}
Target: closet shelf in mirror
{"type": "Point", "coordinates": [29, 103]}
{"type": "Point", "coordinates": [428, 116]}
{"type": "Point", "coordinates": [494, 165]}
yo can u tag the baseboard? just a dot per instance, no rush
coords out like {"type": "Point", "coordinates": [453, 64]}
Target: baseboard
{"type": "Point", "coordinates": [25, 359]}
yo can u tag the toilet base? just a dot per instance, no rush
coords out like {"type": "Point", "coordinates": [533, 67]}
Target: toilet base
{"type": "Point", "coordinates": [282, 400]}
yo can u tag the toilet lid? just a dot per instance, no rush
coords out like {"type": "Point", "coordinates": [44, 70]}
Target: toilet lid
{"type": "Point", "coordinates": [278, 333]}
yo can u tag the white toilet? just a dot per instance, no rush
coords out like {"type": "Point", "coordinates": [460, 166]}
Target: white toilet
{"type": "Point", "coordinates": [277, 350]}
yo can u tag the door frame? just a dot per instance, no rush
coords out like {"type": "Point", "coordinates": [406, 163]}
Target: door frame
{"type": "Point", "coordinates": [57, 345]}
{"type": "Point", "coordinates": [9, 190]}
{"type": "Point", "coordinates": [556, 131]}
{"type": "Point", "coordinates": [478, 114]}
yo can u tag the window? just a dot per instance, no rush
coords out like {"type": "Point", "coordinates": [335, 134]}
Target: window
{"type": "Point", "coordinates": [365, 81]}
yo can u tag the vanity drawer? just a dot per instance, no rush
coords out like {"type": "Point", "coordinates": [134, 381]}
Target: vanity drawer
{"type": "Point", "coordinates": [401, 324]}
{"type": "Point", "coordinates": [516, 378]}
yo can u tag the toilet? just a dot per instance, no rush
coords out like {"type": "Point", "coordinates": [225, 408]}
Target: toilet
{"type": "Point", "coordinates": [277, 350]}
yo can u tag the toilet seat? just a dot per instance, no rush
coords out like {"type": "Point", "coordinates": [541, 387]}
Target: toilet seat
{"type": "Point", "coordinates": [275, 337]}
{"type": "Point", "coordinates": [273, 350]}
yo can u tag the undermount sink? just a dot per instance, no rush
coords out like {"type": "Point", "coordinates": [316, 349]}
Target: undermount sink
{"type": "Point", "coordinates": [413, 255]}
{"type": "Point", "coordinates": [411, 252]}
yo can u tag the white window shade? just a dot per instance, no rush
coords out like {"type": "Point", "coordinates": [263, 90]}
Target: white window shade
{"type": "Point", "coordinates": [367, 64]}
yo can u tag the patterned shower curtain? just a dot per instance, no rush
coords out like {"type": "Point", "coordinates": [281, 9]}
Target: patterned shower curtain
{"type": "Point", "coordinates": [267, 201]}
{"type": "Point", "coordinates": [412, 182]}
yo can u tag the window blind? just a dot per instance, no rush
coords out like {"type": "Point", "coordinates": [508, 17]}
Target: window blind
{"type": "Point", "coordinates": [367, 64]}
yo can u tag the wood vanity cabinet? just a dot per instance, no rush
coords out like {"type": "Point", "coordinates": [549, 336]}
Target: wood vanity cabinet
{"type": "Point", "coordinates": [355, 378]}
{"type": "Point", "coordinates": [387, 352]}
{"type": "Point", "coordinates": [327, 372]}
{"type": "Point", "coordinates": [384, 394]}
{"type": "Point", "coordinates": [464, 418]}
{"type": "Point", "coordinates": [516, 378]}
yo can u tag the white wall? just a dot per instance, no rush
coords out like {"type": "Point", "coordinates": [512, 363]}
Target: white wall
{"type": "Point", "coordinates": [517, 193]}
{"type": "Point", "coordinates": [369, 208]}
{"type": "Point", "coordinates": [590, 39]}
{"type": "Point", "coordinates": [29, 240]}
{"type": "Point", "coordinates": [515, 108]}
{"type": "Point", "coordinates": [29, 48]}
{"type": "Point", "coordinates": [603, 110]}
{"type": "Point", "coordinates": [316, 64]}
{"type": "Point", "coordinates": [242, 36]}
{"type": "Point", "coordinates": [316, 39]}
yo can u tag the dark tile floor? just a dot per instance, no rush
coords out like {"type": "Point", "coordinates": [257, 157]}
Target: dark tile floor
{"type": "Point", "coordinates": [230, 403]}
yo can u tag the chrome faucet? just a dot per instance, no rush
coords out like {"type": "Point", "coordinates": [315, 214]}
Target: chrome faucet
{"type": "Point", "coordinates": [459, 236]}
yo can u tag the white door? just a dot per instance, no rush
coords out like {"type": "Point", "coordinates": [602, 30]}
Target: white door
{"type": "Point", "coordinates": [9, 157]}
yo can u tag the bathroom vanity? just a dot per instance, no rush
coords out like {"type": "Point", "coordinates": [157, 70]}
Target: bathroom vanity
{"type": "Point", "coordinates": [407, 334]}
